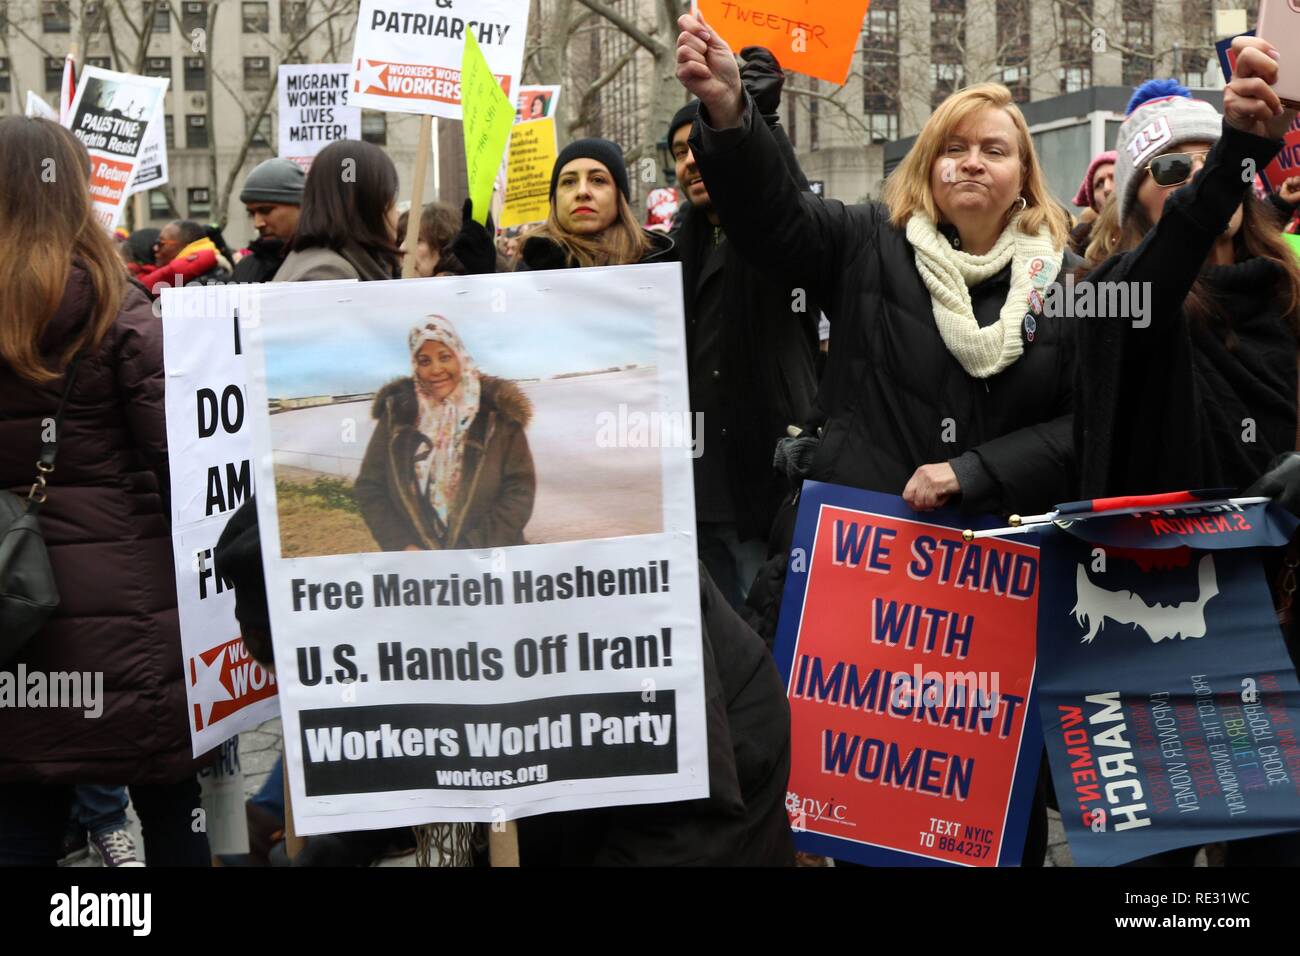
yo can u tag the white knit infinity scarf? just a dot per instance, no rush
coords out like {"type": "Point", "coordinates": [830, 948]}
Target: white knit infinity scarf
{"type": "Point", "coordinates": [948, 273]}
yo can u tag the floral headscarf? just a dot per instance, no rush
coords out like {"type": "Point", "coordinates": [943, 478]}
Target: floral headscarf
{"type": "Point", "coordinates": [445, 423]}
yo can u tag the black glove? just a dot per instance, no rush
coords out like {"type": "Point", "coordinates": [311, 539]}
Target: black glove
{"type": "Point", "coordinates": [1281, 482]}
{"type": "Point", "coordinates": [763, 77]}
{"type": "Point", "coordinates": [794, 456]}
{"type": "Point", "coordinates": [540, 254]}
{"type": "Point", "coordinates": [473, 246]}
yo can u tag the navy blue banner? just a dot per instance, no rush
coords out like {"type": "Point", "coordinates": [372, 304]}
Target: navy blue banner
{"type": "Point", "coordinates": [1170, 707]}
{"type": "Point", "coordinates": [1223, 48]}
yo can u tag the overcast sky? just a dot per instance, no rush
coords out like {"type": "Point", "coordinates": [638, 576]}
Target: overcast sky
{"type": "Point", "coordinates": [328, 347]}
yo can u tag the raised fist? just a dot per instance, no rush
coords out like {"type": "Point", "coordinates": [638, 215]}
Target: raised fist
{"type": "Point", "coordinates": [707, 68]}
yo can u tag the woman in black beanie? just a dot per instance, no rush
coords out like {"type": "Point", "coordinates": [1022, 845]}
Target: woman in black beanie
{"type": "Point", "coordinates": [591, 222]}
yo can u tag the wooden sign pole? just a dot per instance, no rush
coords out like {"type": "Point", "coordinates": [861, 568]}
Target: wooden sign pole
{"type": "Point", "coordinates": [417, 196]}
{"type": "Point", "coordinates": [503, 845]}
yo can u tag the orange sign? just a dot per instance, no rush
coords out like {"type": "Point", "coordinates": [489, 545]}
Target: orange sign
{"type": "Point", "coordinates": [813, 37]}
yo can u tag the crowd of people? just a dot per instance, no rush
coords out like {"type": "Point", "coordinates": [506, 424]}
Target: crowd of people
{"type": "Point", "coordinates": [943, 382]}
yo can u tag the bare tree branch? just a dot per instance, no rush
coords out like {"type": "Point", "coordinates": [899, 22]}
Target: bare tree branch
{"type": "Point", "coordinates": [638, 35]}
{"type": "Point", "coordinates": [590, 93]}
{"type": "Point", "coordinates": [253, 117]}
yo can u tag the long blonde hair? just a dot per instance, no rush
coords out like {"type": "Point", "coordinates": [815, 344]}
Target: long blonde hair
{"type": "Point", "coordinates": [1104, 237]}
{"type": "Point", "coordinates": [623, 243]}
{"type": "Point", "coordinates": [908, 187]}
{"type": "Point", "coordinates": [46, 223]}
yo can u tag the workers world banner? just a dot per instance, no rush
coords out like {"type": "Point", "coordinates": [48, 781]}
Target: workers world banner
{"type": "Point", "coordinates": [407, 53]}
{"type": "Point", "coordinates": [1169, 703]}
{"type": "Point", "coordinates": [908, 655]}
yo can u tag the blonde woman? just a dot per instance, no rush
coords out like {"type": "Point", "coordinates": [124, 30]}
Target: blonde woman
{"type": "Point", "coordinates": [591, 222]}
{"type": "Point", "coordinates": [945, 383]}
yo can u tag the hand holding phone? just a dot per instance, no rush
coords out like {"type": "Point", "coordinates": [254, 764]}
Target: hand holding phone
{"type": "Point", "coordinates": [1250, 102]}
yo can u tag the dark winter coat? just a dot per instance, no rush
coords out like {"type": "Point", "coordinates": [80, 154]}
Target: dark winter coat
{"type": "Point", "coordinates": [265, 256]}
{"type": "Point", "coordinates": [107, 529]}
{"type": "Point", "coordinates": [497, 483]}
{"type": "Point", "coordinates": [766, 373]}
{"type": "Point", "coordinates": [1187, 403]}
{"type": "Point", "coordinates": [894, 396]}
{"type": "Point", "coordinates": [743, 821]}
{"type": "Point", "coordinates": [539, 253]}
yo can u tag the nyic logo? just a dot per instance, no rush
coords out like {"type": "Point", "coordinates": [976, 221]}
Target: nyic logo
{"type": "Point", "coordinates": [804, 809]}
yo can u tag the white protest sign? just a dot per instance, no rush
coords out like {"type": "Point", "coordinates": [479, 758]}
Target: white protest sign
{"type": "Point", "coordinates": [40, 109]}
{"type": "Point", "coordinates": [504, 619]}
{"type": "Point", "coordinates": [209, 445]}
{"type": "Point", "coordinates": [408, 53]}
{"type": "Point", "coordinates": [152, 170]}
{"type": "Point", "coordinates": [110, 115]}
{"type": "Point", "coordinates": [313, 110]}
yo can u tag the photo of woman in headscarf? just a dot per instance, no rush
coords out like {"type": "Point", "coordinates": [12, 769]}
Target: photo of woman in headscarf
{"type": "Point", "coordinates": [448, 465]}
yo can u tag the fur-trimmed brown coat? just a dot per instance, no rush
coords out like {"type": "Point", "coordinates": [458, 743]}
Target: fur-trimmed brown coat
{"type": "Point", "coordinates": [497, 485]}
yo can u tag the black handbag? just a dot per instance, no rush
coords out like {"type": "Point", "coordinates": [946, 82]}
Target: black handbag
{"type": "Point", "coordinates": [28, 595]}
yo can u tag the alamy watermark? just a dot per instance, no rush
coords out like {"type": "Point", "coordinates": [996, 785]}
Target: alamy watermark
{"type": "Point", "coordinates": [71, 690]}
{"type": "Point", "coordinates": [635, 429]}
{"type": "Point", "coordinates": [1098, 300]}
{"type": "Point", "coordinates": [932, 690]}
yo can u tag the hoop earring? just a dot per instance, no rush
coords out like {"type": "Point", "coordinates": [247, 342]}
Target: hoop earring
{"type": "Point", "coordinates": [1024, 204]}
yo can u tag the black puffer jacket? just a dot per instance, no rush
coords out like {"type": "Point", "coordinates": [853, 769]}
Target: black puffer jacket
{"type": "Point", "coordinates": [743, 821]}
{"type": "Point", "coordinates": [1186, 403]}
{"type": "Point", "coordinates": [894, 396]}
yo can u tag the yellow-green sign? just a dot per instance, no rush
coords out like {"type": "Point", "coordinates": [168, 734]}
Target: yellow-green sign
{"type": "Point", "coordinates": [488, 118]}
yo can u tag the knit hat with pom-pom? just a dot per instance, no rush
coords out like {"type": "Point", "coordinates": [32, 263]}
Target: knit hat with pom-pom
{"type": "Point", "coordinates": [1161, 116]}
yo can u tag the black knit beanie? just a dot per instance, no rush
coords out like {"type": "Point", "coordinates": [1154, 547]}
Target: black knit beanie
{"type": "Point", "coordinates": [684, 116]}
{"type": "Point", "coordinates": [238, 557]}
{"type": "Point", "coordinates": [601, 150]}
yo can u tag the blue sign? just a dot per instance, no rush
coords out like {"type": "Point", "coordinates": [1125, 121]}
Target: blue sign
{"type": "Point", "coordinates": [1170, 706]}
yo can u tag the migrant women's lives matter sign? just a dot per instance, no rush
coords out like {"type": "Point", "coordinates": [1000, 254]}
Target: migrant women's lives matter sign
{"type": "Point", "coordinates": [313, 110]}
{"type": "Point", "coordinates": [407, 54]}
{"type": "Point", "coordinates": [478, 533]}
{"type": "Point", "coordinates": [111, 114]}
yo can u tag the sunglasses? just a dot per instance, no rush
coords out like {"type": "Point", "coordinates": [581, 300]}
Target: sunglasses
{"type": "Point", "coordinates": [1173, 169]}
